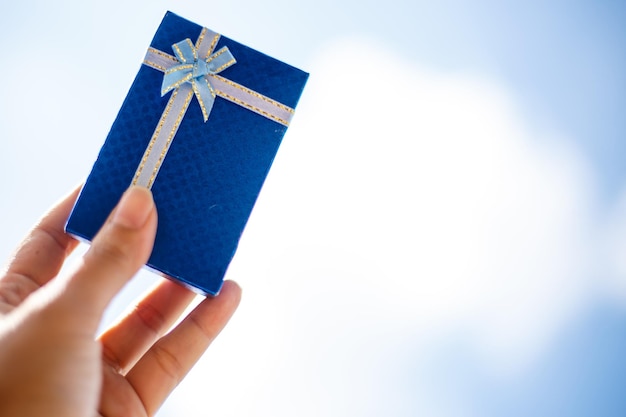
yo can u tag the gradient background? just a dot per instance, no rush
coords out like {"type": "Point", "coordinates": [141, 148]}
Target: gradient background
{"type": "Point", "coordinates": [443, 232]}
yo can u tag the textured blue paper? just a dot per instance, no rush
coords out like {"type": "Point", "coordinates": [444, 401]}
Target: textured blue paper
{"type": "Point", "coordinates": [213, 172]}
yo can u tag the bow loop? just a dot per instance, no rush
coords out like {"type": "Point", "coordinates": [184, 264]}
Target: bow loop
{"type": "Point", "coordinates": [220, 60]}
{"type": "Point", "coordinates": [197, 72]}
{"type": "Point", "coordinates": [185, 51]}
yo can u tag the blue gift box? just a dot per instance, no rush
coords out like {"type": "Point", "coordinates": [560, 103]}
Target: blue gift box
{"type": "Point", "coordinates": [200, 126]}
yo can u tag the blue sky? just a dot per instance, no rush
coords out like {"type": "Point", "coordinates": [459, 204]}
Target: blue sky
{"type": "Point", "coordinates": [443, 232]}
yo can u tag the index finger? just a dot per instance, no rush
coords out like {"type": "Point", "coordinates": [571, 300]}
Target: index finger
{"type": "Point", "coordinates": [40, 256]}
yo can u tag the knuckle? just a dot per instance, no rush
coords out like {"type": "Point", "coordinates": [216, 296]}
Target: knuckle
{"type": "Point", "coordinates": [110, 251]}
{"type": "Point", "coordinates": [204, 329]}
{"type": "Point", "coordinates": [150, 317]}
{"type": "Point", "coordinates": [111, 359]}
{"type": "Point", "coordinates": [15, 287]}
{"type": "Point", "coordinates": [119, 402]}
{"type": "Point", "coordinates": [168, 363]}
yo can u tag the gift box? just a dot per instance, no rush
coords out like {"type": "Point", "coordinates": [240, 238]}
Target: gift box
{"type": "Point", "coordinates": [200, 126]}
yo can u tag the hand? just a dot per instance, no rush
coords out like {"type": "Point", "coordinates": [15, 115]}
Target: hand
{"type": "Point", "coordinates": [51, 364]}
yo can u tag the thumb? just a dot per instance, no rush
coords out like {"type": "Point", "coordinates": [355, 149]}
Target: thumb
{"type": "Point", "coordinates": [120, 248]}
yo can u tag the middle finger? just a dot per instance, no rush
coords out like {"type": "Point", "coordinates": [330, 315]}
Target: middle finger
{"type": "Point", "coordinates": [127, 340]}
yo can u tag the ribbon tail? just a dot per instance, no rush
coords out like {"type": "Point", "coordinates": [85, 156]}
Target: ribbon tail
{"type": "Point", "coordinates": [185, 51]}
{"type": "Point", "coordinates": [220, 60]}
{"type": "Point", "coordinates": [205, 95]}
{"type": "Point", "coordinates": [176, 76]}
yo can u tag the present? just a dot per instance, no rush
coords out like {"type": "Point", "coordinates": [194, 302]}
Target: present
{"type": "Point", "coordinates": [200, 126]}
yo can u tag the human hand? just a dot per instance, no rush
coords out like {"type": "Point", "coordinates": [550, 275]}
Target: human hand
{"type": "Point", "coordinates": [51, 364]}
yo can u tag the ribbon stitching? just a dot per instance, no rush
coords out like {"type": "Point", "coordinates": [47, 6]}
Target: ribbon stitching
{"type": "Point", "coordinates": [194, 71]}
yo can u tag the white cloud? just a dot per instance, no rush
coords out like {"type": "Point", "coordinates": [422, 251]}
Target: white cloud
{"type": "Point", "coordinates": [406, 208]}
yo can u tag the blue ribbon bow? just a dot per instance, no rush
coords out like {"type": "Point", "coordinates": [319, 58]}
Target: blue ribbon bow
{"type": "Point", "coordinates": [195, 71]}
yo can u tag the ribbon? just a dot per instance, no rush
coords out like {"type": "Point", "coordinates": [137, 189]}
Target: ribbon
{"type": "Point", "coordinates": [194, 71]}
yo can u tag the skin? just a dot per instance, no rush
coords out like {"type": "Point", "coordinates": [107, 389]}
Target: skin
{"type": "Point", "coordinates": [52, 364]}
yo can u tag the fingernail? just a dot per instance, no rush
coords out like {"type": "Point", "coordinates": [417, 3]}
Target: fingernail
{"type": "Point", "coordinates": [134, 208]}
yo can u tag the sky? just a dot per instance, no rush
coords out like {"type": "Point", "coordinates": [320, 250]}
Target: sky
{"type": "Point", "coordinates": [443, 231]}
